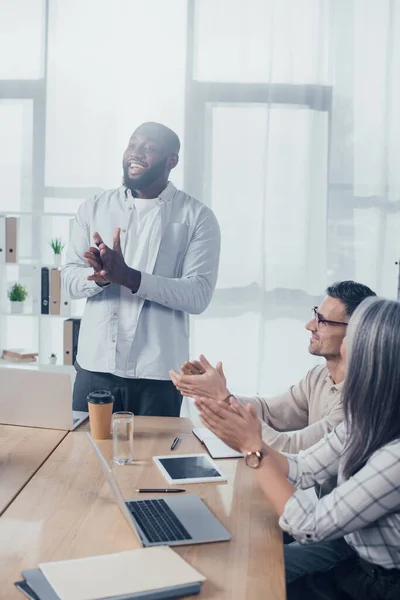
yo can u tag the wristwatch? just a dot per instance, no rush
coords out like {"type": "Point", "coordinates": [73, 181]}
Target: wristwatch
{"type": "Point", "coordinates": [253, 459]}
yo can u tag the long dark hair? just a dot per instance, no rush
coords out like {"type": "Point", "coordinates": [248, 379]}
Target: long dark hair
{"type": "Point", "coordinates": [371, 394]}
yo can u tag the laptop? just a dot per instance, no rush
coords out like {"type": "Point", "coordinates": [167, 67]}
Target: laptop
{"type": "Point", "coordinates": [34, 398]}
{"type": "Point", "coordinates": [163, 521]}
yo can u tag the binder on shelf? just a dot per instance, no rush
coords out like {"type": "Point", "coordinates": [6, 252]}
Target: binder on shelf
{"type": "Point", "coordinates": [30, 276]}
{"type": "Point", "coordinates": [65, 303]}
{"type": "Point", "coordinates": [71, 336]}
{"type": "Point", "coordinates": [36, 290]}
{"type": "Point", "coordinates": [55, 291]}
{"type": "Point", "coordinates": [45, 291]}
{"type": "Point", "coordinates": [11, 239]}
{"type": "Point", "coordinates": [2, 239]}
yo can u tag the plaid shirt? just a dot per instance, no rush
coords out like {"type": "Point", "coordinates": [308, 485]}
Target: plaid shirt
{"type": "Point", "coordinates": [364, 509]}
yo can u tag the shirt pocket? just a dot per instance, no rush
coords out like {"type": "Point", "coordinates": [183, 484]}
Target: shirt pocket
{"type": "Point", "coordinates": [172, 250]}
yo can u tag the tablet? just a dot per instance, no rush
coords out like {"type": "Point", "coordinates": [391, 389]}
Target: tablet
{"type": "Point", "coordinates": [188, 468]}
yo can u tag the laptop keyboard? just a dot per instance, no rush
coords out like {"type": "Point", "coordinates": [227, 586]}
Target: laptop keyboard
{"type": "Point", "coordinates": [75, 420]}
{"type": "Point", "coordinates": [158, 522]}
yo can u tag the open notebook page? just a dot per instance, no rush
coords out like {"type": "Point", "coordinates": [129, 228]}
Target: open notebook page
{"type": "Point", "coordinates": [216, 447]}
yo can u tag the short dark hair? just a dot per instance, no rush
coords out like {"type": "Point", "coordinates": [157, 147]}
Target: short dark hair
{"type": "Point", "coordinates": [350, 293]}
{"type": "Point", "coordinates": [161, 132]}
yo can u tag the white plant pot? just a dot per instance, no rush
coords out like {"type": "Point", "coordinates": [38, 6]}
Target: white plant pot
{"type": "Point", "coordinates": [17, 307]}
{"type": "Point", "coordinates": [52, 360]}
{"type": "Point", "coordinates": [57, 260]}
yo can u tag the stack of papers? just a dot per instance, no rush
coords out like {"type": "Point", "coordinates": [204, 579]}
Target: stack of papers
{"type": "Point", "coordinates": [19, 355]}
{"type": "Point", "coordinates": [148, 574]}
{"type": "Point", "coordinates": [216, 447]}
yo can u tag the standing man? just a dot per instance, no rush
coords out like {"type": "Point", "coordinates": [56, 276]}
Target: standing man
{"type": "Point", "coordinates": [153, 262]}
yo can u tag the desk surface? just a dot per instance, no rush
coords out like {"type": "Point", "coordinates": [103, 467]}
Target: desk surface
{"type": "Point", "coordinates": [67, 511]}
{"type": "Point", "coordinates": [23, 450]}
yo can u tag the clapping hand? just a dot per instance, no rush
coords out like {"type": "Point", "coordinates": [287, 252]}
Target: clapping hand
{"type": "Point", "coordinates": [110, 265]}
{"type": "Point", "coordinates": [209, 382]}
{"type": "Point", "coordinates": [194, 367]}
{"type": "Point", "coordinates": [237, 426]}
{"type": "Point", "coordinates": [94, 260]}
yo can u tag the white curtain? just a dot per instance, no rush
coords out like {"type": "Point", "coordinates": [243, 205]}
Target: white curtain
{"type": "Point", "coordinates": [288, 113]}
{"type": "Point", "coordinates": [306, 190]}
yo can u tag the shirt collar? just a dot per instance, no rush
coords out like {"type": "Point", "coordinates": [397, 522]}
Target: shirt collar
{"type": "Point", "coordinates": [165, 196]}
{"type": "Point", "coordinates": [337, 386]}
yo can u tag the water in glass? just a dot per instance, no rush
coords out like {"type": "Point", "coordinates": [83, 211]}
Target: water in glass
{"type": "Point", "coordinates": [122, 432]}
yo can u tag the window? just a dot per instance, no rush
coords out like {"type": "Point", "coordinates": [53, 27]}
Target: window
{"type": "Point", "coordinates": [260, 41]}
{"type": "Point", "coordinates": [22, 39]}
{"type": "Point", "coordinates": [103, 81]}
{"type": "Point", "coordinates": [16, 154]}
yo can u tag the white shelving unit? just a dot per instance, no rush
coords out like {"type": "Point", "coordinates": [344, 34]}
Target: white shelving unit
{"type": "Point", "coordinates": [36, 366]}
{"type": "Point", "coordinates": [31, 329]}
{"type": "Point", "coordinates": [43, 202]}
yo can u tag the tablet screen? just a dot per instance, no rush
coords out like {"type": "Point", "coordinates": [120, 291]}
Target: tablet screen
{"type": "Point", "coordinates": [189, 467]}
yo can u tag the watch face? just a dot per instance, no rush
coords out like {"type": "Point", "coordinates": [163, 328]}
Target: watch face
{"type": "Point", "coordinates": [253, 459]}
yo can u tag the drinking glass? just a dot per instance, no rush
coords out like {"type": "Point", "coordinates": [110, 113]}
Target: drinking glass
{"type": "Point", "coordinates": [122, 433]}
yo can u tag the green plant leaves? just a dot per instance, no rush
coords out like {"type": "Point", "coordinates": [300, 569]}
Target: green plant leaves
{"type": "Point", "coordinates": [17, 293]}
{"type": "Point", "coordinates": [57, 245]}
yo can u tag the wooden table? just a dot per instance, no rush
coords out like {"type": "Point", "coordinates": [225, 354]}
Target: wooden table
{"type": "Point", "coordinates": [23, 450]}
{"type": "Point", "coordinates": [67, 511]}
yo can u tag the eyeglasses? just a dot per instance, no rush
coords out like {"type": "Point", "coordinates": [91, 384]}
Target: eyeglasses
{"type": "Point", "coordinates": [320, 319]}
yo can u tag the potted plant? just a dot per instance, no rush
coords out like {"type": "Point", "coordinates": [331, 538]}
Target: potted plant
{"type": "Point", "coordinates": [52, 358]}
{"type": "Point", "coordinates": [17, 294]}
{"type": "Point", "coordinates": [57, 246]}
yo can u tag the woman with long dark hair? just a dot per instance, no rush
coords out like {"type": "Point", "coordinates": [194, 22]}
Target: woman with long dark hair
{"type": "Point", "coordinates": [364, 453]}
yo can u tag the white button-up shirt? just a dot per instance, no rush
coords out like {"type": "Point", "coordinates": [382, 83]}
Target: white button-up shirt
{"type": "Point", "coordinates": [175, 245]}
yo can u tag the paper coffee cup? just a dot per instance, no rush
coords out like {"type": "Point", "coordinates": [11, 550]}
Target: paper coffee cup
{"type": "Point", "coordinates": [100, 404]}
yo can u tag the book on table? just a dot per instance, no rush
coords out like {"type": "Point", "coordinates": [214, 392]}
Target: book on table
{"type": "Point", "coordinates": [154, 573]}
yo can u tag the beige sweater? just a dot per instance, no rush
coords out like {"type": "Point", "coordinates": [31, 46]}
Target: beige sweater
{"type": "Point", "coordinates": [312, 408]}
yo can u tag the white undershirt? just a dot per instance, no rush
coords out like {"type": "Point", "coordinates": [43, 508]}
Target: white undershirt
{"type": "Point", "coordinates": [136, 253]}
{"type": "Point", "coordinates": [144, 205]}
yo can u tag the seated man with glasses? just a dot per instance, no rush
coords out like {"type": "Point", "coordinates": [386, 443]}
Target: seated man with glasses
{"type": "Point", "coordinates": [309, 410]}
{"type": "Point", "coordinates": [312, 407]}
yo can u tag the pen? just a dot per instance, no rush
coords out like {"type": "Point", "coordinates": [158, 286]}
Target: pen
{"type": "Point", "coordinates": [151, 490]}
{"type": "Point", "coordinates": [175, 443]}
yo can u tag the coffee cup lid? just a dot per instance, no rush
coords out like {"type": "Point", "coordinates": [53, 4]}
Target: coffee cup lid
{"type": "Point", "coordinates": [100, 397]}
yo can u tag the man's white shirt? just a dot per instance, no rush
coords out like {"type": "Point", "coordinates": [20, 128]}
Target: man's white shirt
{"type": "Point", "coordinates": [174, 241]}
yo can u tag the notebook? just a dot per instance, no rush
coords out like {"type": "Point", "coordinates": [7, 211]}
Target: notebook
{"type": "Point", "coordinates": [146, 573]}
{"type": "Point", "coordinates": [216, 447]}
{"type": "Point", "coordinates": [20, 353]}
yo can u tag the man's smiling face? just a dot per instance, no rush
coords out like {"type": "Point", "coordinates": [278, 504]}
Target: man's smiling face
{"type": "Point", "coordinates": [144, 161]}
